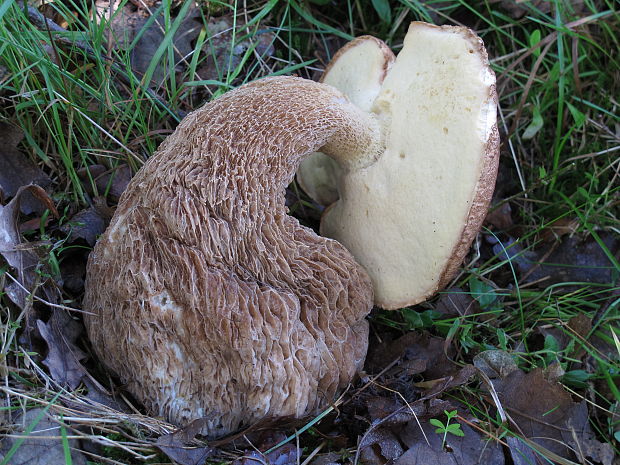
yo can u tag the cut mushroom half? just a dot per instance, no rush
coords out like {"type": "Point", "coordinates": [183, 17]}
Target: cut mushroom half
{"type": "Point", "coordinates": [410, 216]}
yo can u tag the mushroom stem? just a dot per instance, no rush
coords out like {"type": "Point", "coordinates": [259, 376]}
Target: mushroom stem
{"type": "Point", "coordinates": [265, 129]}
{"type": "Point", "coordinates": [320, 116]}
{"type": "Point", "coordinates": [262, 131]}
{"type": "Point", "coordinates": [360, 142]}
{"type": "Point", "coordinates": [314, 113]}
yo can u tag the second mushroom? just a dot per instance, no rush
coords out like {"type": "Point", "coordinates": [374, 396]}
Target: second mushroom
{"type": "Point", "coordinates": [208, 301]}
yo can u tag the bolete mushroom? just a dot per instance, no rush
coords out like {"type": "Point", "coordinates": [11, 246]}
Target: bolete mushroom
{"type": "Point", "coordinates": [207, 300]}
{"type": "Point", "coordinates": [204, 297]}
{"type": "Point", "coordinates": [409, 217]}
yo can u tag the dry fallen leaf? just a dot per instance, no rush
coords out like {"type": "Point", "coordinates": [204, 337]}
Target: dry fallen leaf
{"type": "Point", "coordinates": [495, 363]}
{"type": "Point", "coordinates": [19, 255]}
{"type": "Point", "coordinates": [521, 453]}
{"type": "Point", "coordinates": [395, 422]}
{"type": "Point", "coordinates": [288, 454]}
{"type": "Point", "coordinates": [469, 449]}
{"type": "Point", "coordinates": [178, 445]}
{"type": "Point", "coordinates": [390, 411]}
{"type": "Point", "coordinates": [61, 331]}
{"type": "Point", "coordinates": [579, 326]}
{"type": "Point", "coordinates": [546, 414]}
{"type": "Point", "coordinates": [86, 224]}
{"type": "Point", "coordinates": [153, 36]}
{"type": "Point", "coordinates": [42, 446]}
{"type": "Point", "coordinates": [456, 302]}
{"type": "Point", "coordinates": [403, 442]}
{"type": "Point", "coordinates": [379, 446]}
{"type": "Point", "coordinates": [559, 228]}
{"type": "Point", "coordinates": [576, 260]}
{"type": "Point", "coordinates": [570, 260]}
{"type": "Point", "coordinates": [221, 53]}
{"type": "Point", "coordinates": [331, 458]}
{"type": "Point", "coordinates": [17, 170]}
{"type": "Point", "coordinates": [112, 182]}
{"type": "Point", "coordinates": [509, 249]}
{"type": "Point", "coordinates": [500, 217]}
{"type": "Point", "coordinates": [413, 347]}
{"type": "Point", "coordinates": [63, 355]}
{"type": "Point", "coordinates": [125, 25]}
{"type": "Point", "coordinates": [462, 376]}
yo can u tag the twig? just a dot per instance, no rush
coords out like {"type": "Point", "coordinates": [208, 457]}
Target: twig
{"type": "Point", "coordinates": [46, 302]}
{"type": "Point", "coordinates": [47, 24]}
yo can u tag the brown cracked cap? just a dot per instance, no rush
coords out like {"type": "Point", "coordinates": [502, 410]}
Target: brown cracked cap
{"type": "Point", "coordinates": [203, 296]}
{"type": "Point", "coordinates": [410, 217]}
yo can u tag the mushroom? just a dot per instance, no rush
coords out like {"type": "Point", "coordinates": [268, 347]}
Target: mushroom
{"type": "Point", "coordinates": [203, 296]}
{"type": "Point", "coordinates": [409, 218]}
{"type": "Point", "coordinates": [208, 301]}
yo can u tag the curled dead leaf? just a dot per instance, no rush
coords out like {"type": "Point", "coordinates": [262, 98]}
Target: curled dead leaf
{"type": "Point", "coordinates": [23, 260]}
{"type": "Point", "coordinates": [546, 415]}
{"type": "Point", "coordinates": [17, 170]}
{"type": "Point", "coordinates": [63, 355]}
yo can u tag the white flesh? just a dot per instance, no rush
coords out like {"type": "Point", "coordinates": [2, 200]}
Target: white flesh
{"type": "Point", "coordinates": [409, 218]}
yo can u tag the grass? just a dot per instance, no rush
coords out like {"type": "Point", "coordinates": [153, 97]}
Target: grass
{"type": "Point", "coordinates": [558, 73]}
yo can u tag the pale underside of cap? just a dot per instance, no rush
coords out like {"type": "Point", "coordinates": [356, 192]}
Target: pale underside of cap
{"type": "Point", "coordinates": [410, 217]}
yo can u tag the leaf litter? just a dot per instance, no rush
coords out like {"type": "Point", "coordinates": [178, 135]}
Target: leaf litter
{"type": "Point", "coordinates": [419, 367]}
{"type": "Point", "coordinates": [544, 413]}
{"type": "Point", "coordinates": [411, 438]}
{"type": "Point", "coordinates": [562, 256]}
{"type": "Point", "coordinates": [108, 183]}
{"type": "Point", "coordinates": [126, 23]}
{"type": "Point", "coordinates": [285, 455]}
{"type": "Point", "coordinates": [64, 357]}
{"type": "Point", "coordinates": [222, 51]}
{"type": "Point", "coordinates": [31, 278]}
{"type": "Point", "coordinates": [18, 254]}
{"type": "Point", "coordinates": [37, 439]}
{"type": "Point", "coordinates": [180, 445]}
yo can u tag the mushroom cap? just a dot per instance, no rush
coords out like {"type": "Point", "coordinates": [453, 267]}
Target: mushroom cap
{"type": "Point", "coordinates": [410, 217]}
{"type": "Point", "coordinates": [203, 296]}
